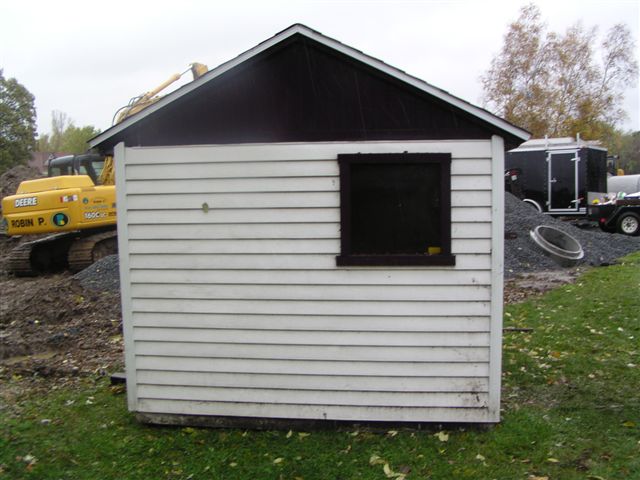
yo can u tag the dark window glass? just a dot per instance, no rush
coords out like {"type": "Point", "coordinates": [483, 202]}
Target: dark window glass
{"type": "Point", "coordinates": [395, 209]}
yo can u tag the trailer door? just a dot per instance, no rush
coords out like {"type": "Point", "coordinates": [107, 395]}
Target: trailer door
{"type": "Point", "coordinates": [563, 181]}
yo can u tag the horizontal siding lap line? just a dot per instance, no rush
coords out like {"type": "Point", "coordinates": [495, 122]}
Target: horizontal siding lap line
{"type": "Point", "coordinates": [147, 262]}
{"type": "Point", "coordinates": [328, 389]}
{"type": "Point", "coordinates": [157, 376]}
{"type": "Point", "coordinates": [479, 403]}
{"type": "Point", "coordinates": [149, 340]}
{"type": "Point", "coordinates": [302, 315]}
{"type": "Point", "coordinates": [310, 397]}
{"type": "Point", "coordinates": [304, 323]}
{"type": "Point", "coordinates": [151, 281]}
{"type": "Point", "coordinates": [371, 309]}
{"type": "Point", "coordinates": [347, 301]}
{"type": "Point", "coordinates": [398, 376]}
{"type": "Point", "coordinates": [426, 363]}
{"type": "Point", "coordinates": [483, 163]}
{"type": "Point", "coordinates": [173, 264]}
{"type": "Point", "coordinates": [319, 412]}
{"type": "Point", "coordinates": [311, 330]}
{"type": "Point", "coordinates": [316, 412]}
{"type": "Point", "coordinates": [311, 292]}
{"type": "Point", "coordinates": [315, 382]}
{"type": "Point", "coordinates": [329, 337]}
{"type": "Point", "coordinates": [306, 367]}
{"type": "Point", "coordinates": [434, 270]}
{"type": "Point", "coordinates": [454, 187]}
{"type": "Point", "coordinates": [374, 355]}
{"type": "Point", "coordinates": [314, 329]}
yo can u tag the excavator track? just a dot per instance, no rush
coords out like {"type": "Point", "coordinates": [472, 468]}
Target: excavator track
{"type": "Point", "coordinates": [73, 250]}
{"type": "Point", "coordinates": [39, 256]}
{"type": "Point", "coordinates": [90, 249]}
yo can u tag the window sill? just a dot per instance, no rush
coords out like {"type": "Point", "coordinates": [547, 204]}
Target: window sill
{"type": "Point", "coordinates": [395, 260]}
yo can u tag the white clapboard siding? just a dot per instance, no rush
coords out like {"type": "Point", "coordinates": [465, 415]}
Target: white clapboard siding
{"type": "Point", "coordinates": [311, 367]}
{"type": "Point", "coordinates": [303, 323]}
{"type": "Point", "coordinates": [314, 412]}
{"type": "Point", "coordinates": [349, 353]}
{"type": "Point", "coordinates": [434, 340]}
{"type": "Point", "coordinates": [236, 231]}
{"type": "Point", "coordinates": [269, 200]}
{"type": "Point", "coordinates": [182, 201]}
{"type": "Point", "coordinates": [269, 262]}
{"type": "Point", "coordinates": [235, 306]}
{"type": "Point", "coordinates": [463, 149]}
{"type": "Point", "coordinates": [343, 277]}
{"type": "Point", "coordinates": [314, 382]}
{"type": "Point", "coordinates": [208, 186]}
{"type": "Point", "coordinates": [241, 216]}
{"type": "Point", "coordinates": [285, 307]}
{"type": "Point", "coordinates": [363, 293]}
{"type": "Point", "coordinates": [321, 397]}
{"type": "Point", "coordinates": [306, 168]}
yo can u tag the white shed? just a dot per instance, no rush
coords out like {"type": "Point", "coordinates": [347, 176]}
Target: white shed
{"type": "Point", "coordinates": [307, 233]}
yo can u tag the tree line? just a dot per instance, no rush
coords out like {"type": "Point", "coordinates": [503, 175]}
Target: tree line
{"type": "Point", "coordinates": [18, 136]}
{"type": "Point", "coordinates": [549, 83]}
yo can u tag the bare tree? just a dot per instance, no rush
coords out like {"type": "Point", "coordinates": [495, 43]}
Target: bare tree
{"type": "Point", "coordinates": [552, 84]}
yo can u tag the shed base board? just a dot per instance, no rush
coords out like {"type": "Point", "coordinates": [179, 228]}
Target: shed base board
{"type": "Point", "coordinates": [285, 424]}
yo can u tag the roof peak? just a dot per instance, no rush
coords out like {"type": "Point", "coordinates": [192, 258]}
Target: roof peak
{"type": "Point", "coordinates": [299, 28]}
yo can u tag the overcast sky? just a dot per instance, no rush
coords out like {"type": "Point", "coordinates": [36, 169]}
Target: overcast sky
{"type": "Point", "coordinates": [88, 58]}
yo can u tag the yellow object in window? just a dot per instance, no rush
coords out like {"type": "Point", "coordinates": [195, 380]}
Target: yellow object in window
{"type": "Point", "coordinates": [434, 250]}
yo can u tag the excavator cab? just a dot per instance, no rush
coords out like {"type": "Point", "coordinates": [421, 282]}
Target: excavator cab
{"type": "Point", "coordinates": [89, 164]}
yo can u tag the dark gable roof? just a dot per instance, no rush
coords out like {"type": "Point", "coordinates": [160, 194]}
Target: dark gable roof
{"type": "Point", "coordinates": [300, 86]}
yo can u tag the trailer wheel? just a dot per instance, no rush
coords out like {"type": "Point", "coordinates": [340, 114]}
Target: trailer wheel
{"type": "Point", "coordinates": [629, 224]}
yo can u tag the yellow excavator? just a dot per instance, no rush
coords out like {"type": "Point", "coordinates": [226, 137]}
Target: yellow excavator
{"type": "Point", "coordinates": [75, 205]}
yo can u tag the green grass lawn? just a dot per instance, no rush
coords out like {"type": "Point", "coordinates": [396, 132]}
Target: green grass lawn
{"type": "Point", "coordinates": [571, 400]}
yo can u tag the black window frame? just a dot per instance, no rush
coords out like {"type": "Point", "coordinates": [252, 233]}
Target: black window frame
{"type": "Point", "coordinates": [348, 258]}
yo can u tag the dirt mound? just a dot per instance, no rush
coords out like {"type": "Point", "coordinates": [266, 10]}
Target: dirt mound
{"type": "Point", "coordinates": [52, 326]}
{"type": "Point", "coordinates": [10, 180]}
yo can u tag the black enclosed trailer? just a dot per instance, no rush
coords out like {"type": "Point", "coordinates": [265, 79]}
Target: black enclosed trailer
{"type": "Point", "coordinates": [559, 176]}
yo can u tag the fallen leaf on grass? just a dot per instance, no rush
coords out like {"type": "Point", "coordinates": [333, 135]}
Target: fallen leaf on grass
{"type": "Point", "coordinates": [480, 458]}
{"type": "Point", "coordinates": [278, 460]}
{"type": "Point", "coordinates": [289, 434]}
{"type": "Point", "coordinates": [553, 460]}
{"type": "Point", "coordinates": [392, 433]}
{"type": "Point", "coordinates": [303, 434]}
{"type": "Point", "coordinates": [533, 477]}
{"type": "Point", "coordinates": [442, 436]}
{"type": "Point", "coordinates": [376, 460]}
{"type": "Point", "coordinates": [628, 424]}
{"type": "Point", "coordinates": [391, 474]}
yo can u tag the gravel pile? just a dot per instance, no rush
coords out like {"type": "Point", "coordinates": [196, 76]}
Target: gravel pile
{"type": "Point", "coordinates": [522, 255]}
{"type": "Point", "coordinates": [101, 276]}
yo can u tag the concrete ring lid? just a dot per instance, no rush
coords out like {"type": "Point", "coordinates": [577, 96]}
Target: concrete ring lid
{"type": "Point", "coordinates": [560, 246]}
